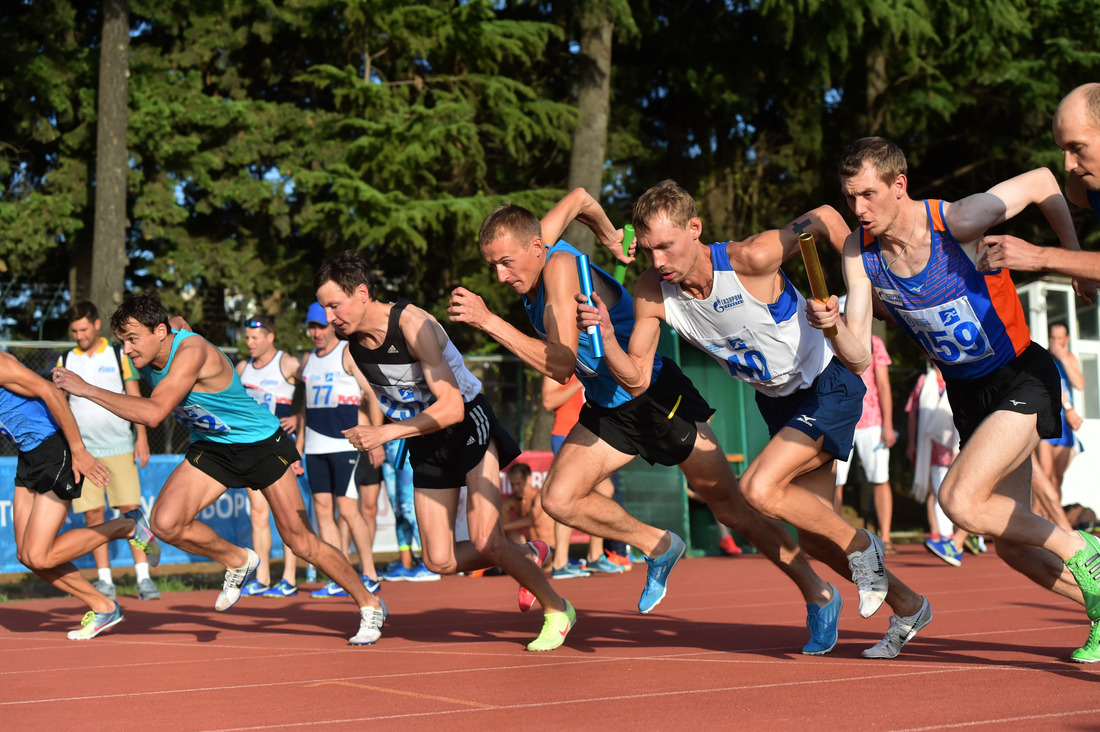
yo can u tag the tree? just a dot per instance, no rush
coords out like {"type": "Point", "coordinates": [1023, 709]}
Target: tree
{"type": "Point", "coordinates": [109, 260]}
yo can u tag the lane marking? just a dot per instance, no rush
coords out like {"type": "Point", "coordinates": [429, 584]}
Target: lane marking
{"type": "Point", "coordinates": [414, 694]}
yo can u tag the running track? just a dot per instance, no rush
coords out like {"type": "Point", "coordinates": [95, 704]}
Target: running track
{"type": "Point", "coordinates": [721, 650]}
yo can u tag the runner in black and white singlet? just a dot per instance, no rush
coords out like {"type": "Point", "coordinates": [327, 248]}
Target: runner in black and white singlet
{"type": "Point", "coordinates": [733, 301]}
{"type": "Point", "coordinates": [452, 435]}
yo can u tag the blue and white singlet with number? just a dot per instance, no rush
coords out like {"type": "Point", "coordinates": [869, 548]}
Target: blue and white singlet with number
{"type": "Point", "coordinates": [970, 323]}
{"type": "Point", "coordinates": [332, 398]}
{"type": "Point", "coordinates": [228, 416]}
{"type": "Point", "coordinates": [25, 421]}
{"type": "Point", "coordinates": [600, 386]}
{"type": "Point", "coordinates": [769, 346]}
{"type": "Point", "coordinates": [398, 378]}
{"type": "Point", "coordinates": [268, 385]}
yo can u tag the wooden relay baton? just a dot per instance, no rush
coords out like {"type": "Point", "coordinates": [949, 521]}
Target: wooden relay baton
{"type": "Point", "coordinates": [813, 270]}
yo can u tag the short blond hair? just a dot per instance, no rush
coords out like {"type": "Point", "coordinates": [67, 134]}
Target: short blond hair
{"type": "Point", "coordinates": [666, 198]}
{"type": "Point", "coordinates": [884, 156]}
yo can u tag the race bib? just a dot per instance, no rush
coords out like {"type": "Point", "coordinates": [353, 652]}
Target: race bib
{"type": "Point", "coordinates": [743, 358]}
{"type": "Point", "coordinates": [196, 418]}
{"type": "Point", "coordinates": [950, 333]}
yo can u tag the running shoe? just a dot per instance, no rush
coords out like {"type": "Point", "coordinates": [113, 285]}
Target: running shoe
{"type": "Point", "coordinates": [569, 571]}
{"type": "Point", "coordinates": [1090, 652]}
{"type": "Point", "coordinates": [901, 631]}
{"type": "Point", "coordinates": [235, 579]}
{"type": "Point", "coordinates": [372, 585]}
{"type": "Point", "coordinates": [869, 575]}
{"type": "Point", "coordinates": [542, 553]}
{"type": "Point", "coordinates": [143, 537]}
{"type": "Point", "coordinates": [619, 559]}
{"type": "Point", "coordinates": [147, 590]}
{"type": "Point", "coordinates": [822, 622]}
{"type": "Point", "coordinates": [555, 626]}
{"type": "Point", "coordinates": [282, 588]}
{"type": "Point", "coordinates": [420, 573]}
{"type": "Point", "coordinates": [656, 581]}
{"type": "Point", "coordinates": [400, 573]}
{"type": "Point", "coordinates": [107, 589]}
{"type": "Point", "coordinates": [254, 587]}
{"type": "Point", "coordinates": [1085, 566]}
{"type": "Point", "coordinates": [974, 544]}
{"type": "Point", "coordinates": [370, 627]}
{"type": "Point", "coordinates": [330, 589]}
{"type": "Point", "coordinates": [945, 550]}
{"type": "Point", "coordinates": [95, 623]}
{"type": "Point", "coordinates": [728, 546]}
{"type": "Point", "coordinates": [604, 566]}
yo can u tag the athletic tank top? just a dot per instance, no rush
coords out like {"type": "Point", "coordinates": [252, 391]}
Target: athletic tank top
{"type": "Point", "coordinates": [228, 416]}
{"type": "Point", "coordinates": [332, 398]}
{"type": "Point", "coordinates": [1094, 201]}
{"type": "Point", "coordinates": [600, 387]}
{"type": "Point", "coordinates": [25, 421]}
{"type": "Point", "coordinates": [398, 379]}
{"type": "Point", "coordinates": [268, 386]}
{"type": "Point", "coordinates": [970, 323]}
{"type": "Point", "coordinates": [768, 345]}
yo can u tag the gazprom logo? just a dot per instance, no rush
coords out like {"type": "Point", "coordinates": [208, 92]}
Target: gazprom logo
{"type": "Point", "coordinates": [728, 302]}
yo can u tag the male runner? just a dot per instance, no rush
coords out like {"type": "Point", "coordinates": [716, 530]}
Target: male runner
{"type": "Point", "coordinates": [919, 258]}
{"type": "Point", "coordinates": [733, 301]}
{"type": "Point", "coordinates": [269, 375]}
{"type": "Point", "coordinates": [53, 463]}
{"type": "Point", "coordinates": [661, 417]}
{"type": "Point", "coordinates": [234, 442]}
{"type": "Point", "coordinates": [452, 436]}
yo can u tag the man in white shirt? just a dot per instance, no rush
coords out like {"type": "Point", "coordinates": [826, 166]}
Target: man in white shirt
{"type": "Point", "coordinates": [109, 439]}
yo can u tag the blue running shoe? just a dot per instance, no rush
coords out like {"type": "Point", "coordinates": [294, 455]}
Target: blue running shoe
{"type": "Point", "coordinates": [822, 622]}
{"type": "Point", "coordinates": [605, 566]}
{"type": "Point", "coordinates": [143, 537]}
{"type": "Point", "coordinates": [569, 571]}
{"type": "Point", "coordinates": [95, 623]}
{"type": "Point", "coordinates": [656, 581]}
{"type": "Point", "coordinates": [420, 573]}
{"type": "Point", "coordinates": [282, 588]}
{"type": "Point", "coordinates": [945, 550]}
{"type": "Point", "coordinates": [329, 590]}
{"type": "Point", "coordinates": [372, 585]}
{"type": "Point", "coordinates": [254, 587]}
{"type": "Point", "coordinates": [400, 573]}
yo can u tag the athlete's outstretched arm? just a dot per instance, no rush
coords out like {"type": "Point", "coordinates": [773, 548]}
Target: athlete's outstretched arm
{"type": "Point", "coordinates": [824, 222]}
{"type": "Point", "coordinates": [183, 374]}
{"type": "Point", "coordinates": [970, 217]}
{"type": "Point", "coordinates": [426, 339]}
{"type": "Point", "coordinates": [579, 205]}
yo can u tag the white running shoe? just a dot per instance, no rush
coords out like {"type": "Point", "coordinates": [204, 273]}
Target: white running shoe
{"type": "Point", "coordinates": [370, 627]}
{"type": "Point", "coordinates": [901, 631]}
{"type": "Point", "coordinates": [234, 581]}
{"type": "Point", "coordinates": [869, 573]}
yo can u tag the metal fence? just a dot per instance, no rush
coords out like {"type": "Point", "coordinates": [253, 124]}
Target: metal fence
{"type": "Point", "coordinates": [513, 389]}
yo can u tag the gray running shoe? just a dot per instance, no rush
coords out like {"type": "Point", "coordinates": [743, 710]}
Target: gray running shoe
{"type": "Point", "coordinates": [147, 590]}
{"type": "Point", "coordinates": [869, 575]}
{"type": "Point", "coordinates": [901, 631]}
{"type": "Point", "coordinates": [106, 588]}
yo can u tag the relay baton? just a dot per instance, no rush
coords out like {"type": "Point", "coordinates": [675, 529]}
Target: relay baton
{"type": "Point", "coordinates": [585, 276]}
{"type": "Point", "coordinates": [628, 239]}
{"type": "Point", "coordinates": [813, 270]}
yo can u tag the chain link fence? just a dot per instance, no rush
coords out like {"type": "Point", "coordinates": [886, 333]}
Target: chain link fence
{"type": "Point", "coordinates": [512, 388]}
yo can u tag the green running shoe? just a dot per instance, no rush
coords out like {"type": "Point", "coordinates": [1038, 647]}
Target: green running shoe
{"type": "Point", "coordinates": [1085, 566]}
{"type": "Point", "coordinates": [555, 626]}
{"type": "Point", "coordinates": [1090, 652]}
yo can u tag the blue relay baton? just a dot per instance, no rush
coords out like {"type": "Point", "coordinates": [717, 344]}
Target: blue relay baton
{"type": "Point", "coordinates": [585, 276]}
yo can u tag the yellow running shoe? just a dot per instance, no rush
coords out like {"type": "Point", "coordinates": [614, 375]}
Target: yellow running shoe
{"type": "Point", "coordinates": [555, 626]}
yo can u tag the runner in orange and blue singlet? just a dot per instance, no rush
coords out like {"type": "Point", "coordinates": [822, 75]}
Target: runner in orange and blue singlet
{"type": "Point", "coordinates": [1004, 391]}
